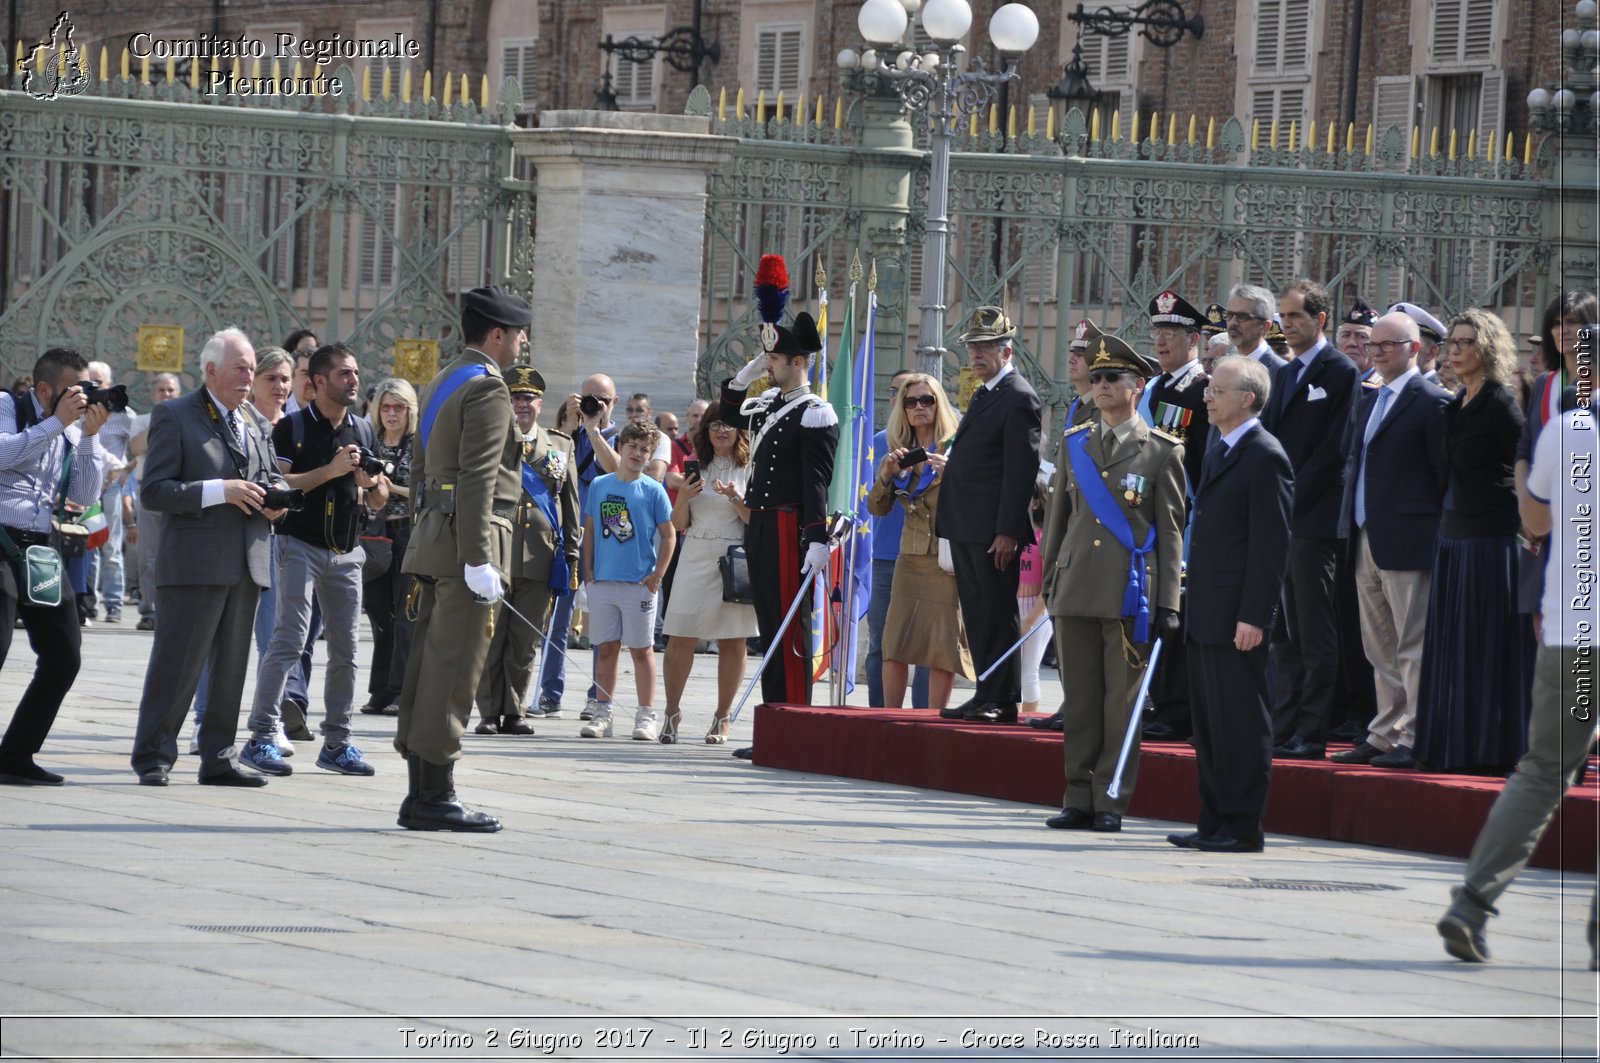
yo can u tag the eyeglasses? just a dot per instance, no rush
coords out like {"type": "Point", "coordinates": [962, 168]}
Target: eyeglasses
{"type": "Point", "coordinates": [638, 409]}
{"type": "Point", "coordinates": [1461, 343]}
{"type": "Point", "coordinates": [1241, 316]}
{"type": "Point", "coordinates": [1109, 376]}
{"type": "Point", "coordinates": [1172, 334]}
{"type": "Point", "coordinates": [1386, 346]}
{"type": "Point", "coordinates": [918, 400]}
{"type": "Point", "coordinates": [720, 426]}
{"type": "Point", "coordinates": [1211, 391]}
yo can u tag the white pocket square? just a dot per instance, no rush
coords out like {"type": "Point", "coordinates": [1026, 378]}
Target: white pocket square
{"type": "Point", "coordinates": [1315, 393]}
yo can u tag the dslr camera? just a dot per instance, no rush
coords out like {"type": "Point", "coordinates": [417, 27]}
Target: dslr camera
{"type": "Point", "coordinates": [283, 497]}
{"type": "Point", "coordinates": [113, 398]}
{"type": "Point", "coordinates": [589, 405]}
{"type": "Point", "coordinates": [373, 465]}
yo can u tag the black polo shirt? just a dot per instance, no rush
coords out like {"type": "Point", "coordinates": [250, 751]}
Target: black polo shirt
{"type": "Point", "coordinates": [333, 515]}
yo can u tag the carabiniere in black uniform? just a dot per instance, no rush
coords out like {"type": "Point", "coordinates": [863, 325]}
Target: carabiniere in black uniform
{"type": "Point", "coordinates": [791, 465]}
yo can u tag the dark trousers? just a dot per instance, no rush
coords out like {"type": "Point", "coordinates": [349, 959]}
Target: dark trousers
{"type": "Point", "coordinates": [1232, 738]}
{"type": "Point", "coordinates": [1169, 690]}
{"type": "Point", "coordinates": [772, 542]}
{"type": "Point", "coordinates": [56, 640]}
{"type": "Point", "coordinates": [384, 601]}
{"type": "Point", "coordinates": [1307, 657]}
{"type": "Point", "coordinates": [197, 623]}
{"type": "Point", "coordinates": [989, 606]}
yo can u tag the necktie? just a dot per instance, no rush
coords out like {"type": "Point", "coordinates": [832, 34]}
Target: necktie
{"type": "Point", "coordinates": [1213, 459]}
{"type": "Point", "coordinates": [1361, 473]}
{"type": "Point", "coordinates": [233, 426]}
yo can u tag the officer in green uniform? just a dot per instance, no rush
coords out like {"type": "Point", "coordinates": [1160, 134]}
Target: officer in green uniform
{"type": "Point", "coordinates": [1112, 550]}
{"type": "Point", "coordinates": [466, 480]}
{"type": "Point", "coordinates": [544, 558]}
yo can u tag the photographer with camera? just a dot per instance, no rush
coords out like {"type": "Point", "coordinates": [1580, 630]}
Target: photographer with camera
{"type": "Point", "coordinates": [324, 451]}
{"type": "Point", "coordinates": [49, 454]}
{"type": "Point", "coordinates": [105, 564]}
{"type": "Point", "coordinates": [207, 474]}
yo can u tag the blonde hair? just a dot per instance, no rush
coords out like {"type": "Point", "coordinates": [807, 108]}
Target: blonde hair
{"type": "Point", "coordinates": [402, 390]}
{"type": "Point", "coordinates": [945, 421]}
{"type": "Point", "coordinates": [1495, 346]}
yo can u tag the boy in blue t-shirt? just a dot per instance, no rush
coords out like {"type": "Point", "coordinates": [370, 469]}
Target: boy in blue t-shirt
{"type": "Point", "coordinates": [623, 564]}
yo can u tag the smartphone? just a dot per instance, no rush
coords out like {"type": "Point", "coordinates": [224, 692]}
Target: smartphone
{"type": "Point", "coordinates": [691, 470]}
{"type": "Point", "coordinates": [914, 456]}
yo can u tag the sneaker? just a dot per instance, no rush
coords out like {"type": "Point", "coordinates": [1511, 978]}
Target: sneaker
{"type": "Point", "coordinates": [646, 728]}
{"type": "Point", "coordinates": [588, 709]}
{"type": "Point", "coordinates": [265, 758]}
{"type": "Point", "coordinates": [599, 725]}
{"type": "Point", "coordinates": [1463, 936]}
{"type": "Point", "coordinates": [194, 746]}
{"type": "Point", "coordinates": [548, 709]}
{"type": "Point", "coordinates": [281, 740]}
{"type": "Point", "coordinates": [113, 616]}
{"type": "Point", "coordinates": [345, 759]}
{"type": "Point", "coordinates": [146, 623]}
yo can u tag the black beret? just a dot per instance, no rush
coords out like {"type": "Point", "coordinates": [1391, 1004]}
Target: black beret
{"type": "Point", "coordinates": [500, 305]}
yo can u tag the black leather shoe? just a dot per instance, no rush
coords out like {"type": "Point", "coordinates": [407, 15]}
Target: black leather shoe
{"type": "Point", "coordinates": [1298, 748]}
{"type": "Point", "coordinates": [294, 721]}
{"type": "Point", "coordinates": [991, 713]}
{"type": "Point", "coordinates": [746, 753]}
{"type": "Point", "coordinates": [1361, 754]}
{"type": "Point", "coordinates": [959, 712]}
{"type": "Point", "coordinates": [1184, 841]}
{"type": "Point", "coordinates": [1227, 843]}
{"type": "Point", "coordinates": [1053, 722]}
{"type": "Point", "coordinates": [487, 727]}
{"type": "Point", "coordinates": [1160, 731]}
{"type": "Point", "coordinates": [232, 777]}
{"type": "Point", "coordinates": [153, 777]}
{"type": "Point", "coordinates": [27, 773]}
{"type": "Point", "coordinates": [436, 807]}
{"type": "Point", "coordinates": [515, 725]}
{"type": "Point", "coordinates": [1107, 822]}
{"type": "Point", "coordinates": [1070, 819]}
{"type": "Point", "coordinates": [1398, 757]}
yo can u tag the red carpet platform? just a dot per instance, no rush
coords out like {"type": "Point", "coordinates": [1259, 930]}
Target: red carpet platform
{"type": "Point", "coordinates": [1419, 811]}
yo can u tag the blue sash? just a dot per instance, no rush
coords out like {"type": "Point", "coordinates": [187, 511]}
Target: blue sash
{"type": "Point", "coordinates": [1072, 413]}
{"type": "Point", "coordinates": [446, 388]}
{"type": "Point", "coordinates": [539, 491]}
{"type": "Point", "coordinates": [1136, 599]}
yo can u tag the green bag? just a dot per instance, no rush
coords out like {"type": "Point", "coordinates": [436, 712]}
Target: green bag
{"type": "Point", "coordinates": [41, 574]}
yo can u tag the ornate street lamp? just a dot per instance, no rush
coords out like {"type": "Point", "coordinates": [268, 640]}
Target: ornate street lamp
{"type": "Point", "coordinates": [933, 87]}
{"type": "Point", "coordinates": [683, 48]}
{"type": "Point", "coordinates": [1162, 22]}
{"type": "Point", "coordinates": [1074, 89]}
{"type": "Point", "coordinates": [1571, 107]}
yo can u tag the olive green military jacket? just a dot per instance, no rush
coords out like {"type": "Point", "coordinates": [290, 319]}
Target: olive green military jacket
{"type": "Point", "coordinates": [470, 473]}
{"type": "Point", "coordinates": [534, 542]}
{"type": "Point", "coordinates": [1085, 567]}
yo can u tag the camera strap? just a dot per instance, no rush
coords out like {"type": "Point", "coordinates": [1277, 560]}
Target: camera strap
{"type": "Point", "coordinates": [241, 462]}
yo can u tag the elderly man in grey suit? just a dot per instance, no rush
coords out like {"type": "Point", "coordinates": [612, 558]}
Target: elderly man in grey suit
{"type": "Point", "coordinates": [208, 461]}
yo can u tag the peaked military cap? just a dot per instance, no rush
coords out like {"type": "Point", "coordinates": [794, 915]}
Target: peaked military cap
{"type": "Point", "coordinates": [1275, 330]}
{"type": "Point", "coordinates": [1109, 352]}
{"type": "Point", "coordinates": [1359, 314]}
{"type": "Point", "coordinates": [989, 323]}
{"type": "Point", "coordinates": [1170, 308]}
{"type": "Point", "coordinates": [1085, 334]}
{"type": "Point", "coordinates": [1216, 321]}
{"type": "Point", "coordinates": [525, 380]}
{"type": "Point", "coordinates": [500, 305]}
{"type": "Point", "coordinates": [1430, 326]}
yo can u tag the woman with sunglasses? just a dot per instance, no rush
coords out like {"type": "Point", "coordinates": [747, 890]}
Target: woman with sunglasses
{"type": "Point", "coordinates": [924, 624]}
{"type": "Point", "coordinates": [708, 522]}
{"type": "Point", "coordinates": [1472, 701]}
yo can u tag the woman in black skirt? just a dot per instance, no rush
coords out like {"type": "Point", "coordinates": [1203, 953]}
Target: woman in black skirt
{"type": "Point", "coordinates": [1476, 663]}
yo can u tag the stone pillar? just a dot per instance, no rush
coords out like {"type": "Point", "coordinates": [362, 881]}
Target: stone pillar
{"type": "Point", "coordinates": [884, 192]}
{"type": "Point", "coordinates": [619, 249]}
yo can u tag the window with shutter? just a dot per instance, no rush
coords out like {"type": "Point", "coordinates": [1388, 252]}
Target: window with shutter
{"type": "Point", "coordinates": [780, 51]}
{"type": "Point", "coordinates": [1463, 33]}
{"type": "Point", "coordinates": [1109, 60]}
{"type": "Point", "coordinates": [517, 59]}
{"type": "Point", "coordinates": [466, 269]}
{"type": "Point", "coordinates": [634, 83]}
{"type": "Point", "coordinates": [1283, 37]}
{"type": "Point", "coordinates": [1452, 102]}
{"type": "Point", "coordinates": [1275, 106]}
{"type": "Point", "coordinates": [376, 242]}
{"type": "Point", "coordinates": [395, 66]}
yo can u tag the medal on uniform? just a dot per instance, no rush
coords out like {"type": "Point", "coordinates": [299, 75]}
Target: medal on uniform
{"type": "Point", "coordinates": [555, 464]}
{"type": "Point", "coordinates": [1133, 488]}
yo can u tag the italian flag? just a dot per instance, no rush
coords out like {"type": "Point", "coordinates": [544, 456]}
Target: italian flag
{"type": "Point", "coordinates": [94, 518]}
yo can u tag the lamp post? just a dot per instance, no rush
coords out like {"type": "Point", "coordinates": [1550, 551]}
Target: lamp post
{"type": "Point", "coordinates": [1074, 89]}
{"type": "Point", "coordinates": [933, 87]}
{"type": "Point", "coordinates": [1571, 106]}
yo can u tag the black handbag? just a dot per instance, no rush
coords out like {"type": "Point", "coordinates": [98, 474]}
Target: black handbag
{"type": "Point", "coordinates": [735, 568]}
{"type": "Point", "coordinates": [378, 546]}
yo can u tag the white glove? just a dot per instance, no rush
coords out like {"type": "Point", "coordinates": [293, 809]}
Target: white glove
{"type": "Point", "coordinates": [816, 558]}
{"type": "Point", "coordinates": [484, 581]}
{"type": "Point", "coordinates": [754, 370]}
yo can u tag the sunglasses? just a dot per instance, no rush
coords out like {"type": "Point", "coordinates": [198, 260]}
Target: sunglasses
{"type": "Point", "coordinates": [911, 401]}
{"type": "Point", "coordinates": [1110, 376]}
{"type": "Point", "coordinates": [1241, 316]}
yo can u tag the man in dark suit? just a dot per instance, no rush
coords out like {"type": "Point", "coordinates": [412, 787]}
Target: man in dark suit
{"type": "Point", "coordinates": [1311, 405]}
{"type": "Point", "coordinates": [983, 510]}
{"type": "Point", "coordinates": [1239, 549]}
{"type": "Point", "coordinates": [206, 473]}
{"type": "Point", "coordinates": [1395, 478]}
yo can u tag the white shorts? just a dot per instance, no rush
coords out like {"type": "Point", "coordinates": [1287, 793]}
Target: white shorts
{"type": "Point", "coordinates": [622, 611]}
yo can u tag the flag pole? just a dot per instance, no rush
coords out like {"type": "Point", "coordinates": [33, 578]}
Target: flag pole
{"type": "Point", "coordinates": [847, 617]}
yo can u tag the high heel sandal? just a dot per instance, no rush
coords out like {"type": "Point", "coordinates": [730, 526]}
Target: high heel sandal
{"type": "Point", "coordinates": [669, 729]}
{"type": "Point", "coordinates": [718, 734]}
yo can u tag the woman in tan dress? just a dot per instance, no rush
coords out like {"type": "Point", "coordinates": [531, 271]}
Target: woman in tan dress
{"type": "Point", "coordinates": [924, 623]}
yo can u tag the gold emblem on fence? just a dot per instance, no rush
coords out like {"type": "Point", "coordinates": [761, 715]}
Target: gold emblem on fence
{"type": "Point", "coordinates": [160, 349]}
{"type": "Point", "coordinates": [416, 360]}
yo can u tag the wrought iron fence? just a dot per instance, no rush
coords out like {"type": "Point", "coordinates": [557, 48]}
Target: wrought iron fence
{"type": "Point", "coordinates": [152, 204]}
